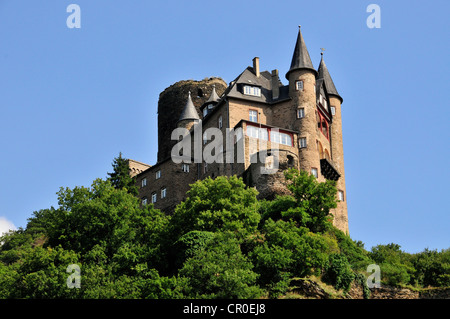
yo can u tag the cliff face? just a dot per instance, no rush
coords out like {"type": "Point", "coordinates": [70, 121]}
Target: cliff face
{"type": "Point", "coordinates": [307, 288]}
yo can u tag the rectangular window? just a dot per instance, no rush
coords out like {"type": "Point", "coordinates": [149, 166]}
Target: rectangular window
{"type": "Point", "coordinates": [314, 172]}
{"type": "Point", "coordinates": [333, 110]}
{"type": "Point", "coordinates": [302, 142]}
{"type": "Point", "coordinates": [253, 115]}
{"type": "Point", "coordinates": [158, 174]}
{"type": "Point", "coordinates": [154, 198]}
{"type": "Point", "coordinates": [205, 138]}
{"type": "Point", "coordinates": [185, 168]}
{"type": "Point", "coordinates": [205, 167]}
{"type": "Point", "coordinates": [144, 182]}
{"type": "Point", "coordinates": [163, 193]}
{"type": "Point", "coordinates": [300, 113]}
{"type": "Point", "coordinates": [220, 122]}
{"type": "Point", "coordinates": [341, 195]}
{"type": "Point", "coordinates": [299, 85]}
{"type": "Point", "coordinates": [257, 132]}
{"type": "Point", "coordinates": [281, 138]}
{"type": "Point", "coordinates": [252, 90]}
{"type": "Point", "coordinates": [144, 201]}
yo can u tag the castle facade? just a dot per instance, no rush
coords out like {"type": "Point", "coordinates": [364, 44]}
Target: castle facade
{"type": "Point", "coordinates": [273, 127]}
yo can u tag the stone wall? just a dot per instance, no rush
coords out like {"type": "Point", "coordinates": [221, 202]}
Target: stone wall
{"type": "Point", "coordinates": [171, 103]}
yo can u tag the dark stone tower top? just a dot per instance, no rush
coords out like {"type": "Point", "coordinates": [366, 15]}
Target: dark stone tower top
{"type": "Point", "coordinates": [325, 76]}
{"type": "Point", "coordinates": [172, 103]}
{"type": "Point", "coordinates": [300, 58]}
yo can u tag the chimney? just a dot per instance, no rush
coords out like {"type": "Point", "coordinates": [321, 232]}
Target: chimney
{"type": "Point", "coordinates": [275, 85]}
{"type": "Point", "coordinates": [256, 66]}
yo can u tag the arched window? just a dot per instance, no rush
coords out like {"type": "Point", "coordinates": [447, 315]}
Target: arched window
{"type": "Point", "coordinates": [320, 149]}
{"type": "Point", "coordinates": [322, 124]}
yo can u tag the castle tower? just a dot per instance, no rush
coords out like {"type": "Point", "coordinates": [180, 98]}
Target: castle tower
{"type": "Point", "coordinates": [172, 102]}
{"type": "Point", "coordinates": [337, 147]}
{"type": "Point", "coordinates": [302, 83]}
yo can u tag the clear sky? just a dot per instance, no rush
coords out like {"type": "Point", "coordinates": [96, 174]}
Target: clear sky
{"type": "Point", "coordinates": [72, 99]}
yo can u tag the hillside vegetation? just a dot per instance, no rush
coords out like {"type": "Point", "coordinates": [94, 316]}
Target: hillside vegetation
{"type": "Point", "coordinates": [221, 242]}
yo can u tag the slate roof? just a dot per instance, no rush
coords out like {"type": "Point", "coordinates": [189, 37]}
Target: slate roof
{"type": "Point", "coordinates": [189, 112]}
{"type": "Point", "coordinates": [264, 81]}
{"type": "Point", "coordinates": [300, 58]}
{"type": "Point", "coordinates": [324, 75]}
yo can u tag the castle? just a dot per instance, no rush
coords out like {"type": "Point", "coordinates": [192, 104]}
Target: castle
{"type": "Point", "coordinates": [295, 125]}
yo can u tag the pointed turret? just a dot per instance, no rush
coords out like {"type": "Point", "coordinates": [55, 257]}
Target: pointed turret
{"type": "Point", "coordinates": [214, 98]}
{"type": "Point", "coordinates": [300, 58]}
{"type": "Point", "coordinates": [324, 75]}
{"type": "Point", "coordinates": [189, 111]}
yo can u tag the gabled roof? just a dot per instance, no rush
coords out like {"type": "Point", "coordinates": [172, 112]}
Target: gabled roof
{"type": "Point", "coordinates": [189, 111]}
{"type": "Point", "coordinates": [324, 75]}
{"type": "Point", "coordinates": [264, 81]}
{"type": "Point", "coordinates": [300, 58]}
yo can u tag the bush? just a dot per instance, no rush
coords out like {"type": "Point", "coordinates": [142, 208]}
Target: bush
{"type": "Point", "coordinates": [338, 272]}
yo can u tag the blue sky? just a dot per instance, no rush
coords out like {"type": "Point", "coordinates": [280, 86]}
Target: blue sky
{"type": "Point", "coordinates": [72, 99]}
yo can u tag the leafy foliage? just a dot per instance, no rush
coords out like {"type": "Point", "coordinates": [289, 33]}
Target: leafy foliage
{"type": "Point", "coordinates": [221, 242]}
{"type": "Point", "coordinates": [120, 177]}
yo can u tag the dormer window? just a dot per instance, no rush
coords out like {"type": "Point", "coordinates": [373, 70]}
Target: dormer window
{"type": "Point", "coordinates": [252, 90]}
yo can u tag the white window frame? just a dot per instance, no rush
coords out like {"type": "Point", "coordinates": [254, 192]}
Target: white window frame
{"type": "Point", "coordinates": [301, 113]}
{"type": "Point", "coordinates": [315, 172]}
{"type": "Point", "coordinates": [144, 201]}
{"type": "Point", "coordinates": [257, 132]}
{"type": "Point", "coordinates": [154, 197]}
{"type": "Point", "coordinates": [302, 142]}
{"type": "Point", "coordinates": [299, 85]}
{"type": "Point", "coordinates": [220, 122]}
{"type": "Point", "coordinates": [333, 110]}
{"type": "Point", "coordinates": [185, 168]}
{"type": "Point", "coordinates": [158, 174]}
{"type": "Point", "coordinates": [252, 114]}
{"type": "Point", "coordinates": [163, 192]}
{"type": "Point", "coordinates": [252, 90]}
{"type": "Point", "coordinates": [144, 182]}
{"type": "Point", "coordinates": [341, 195]}
{"type": "Point", "coordinates": [281, 138]}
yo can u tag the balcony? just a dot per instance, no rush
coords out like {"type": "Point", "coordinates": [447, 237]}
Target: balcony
{"type": "Point", "coordinates": [328, 170]}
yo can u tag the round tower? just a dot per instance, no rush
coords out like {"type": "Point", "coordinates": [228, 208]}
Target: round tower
{"type": "Point", "coordinates": [172, 102]}
{"type": "Point", "coordinates": [336, 143]}
{"type": "Point", "coordinates": [302, 83]}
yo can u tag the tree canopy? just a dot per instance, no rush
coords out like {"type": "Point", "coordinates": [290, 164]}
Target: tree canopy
{"type": "Point", "coordinates": [221, 242]}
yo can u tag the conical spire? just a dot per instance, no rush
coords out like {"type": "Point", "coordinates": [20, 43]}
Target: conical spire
{"type": "Point", "coordinates": [300, 58]}
{"type": "Point", "coordinates": [214, 97]}
{"type": "Point", "coordinates": [189, 111]}
{"type": "Point", "coordinates": [325, 76]}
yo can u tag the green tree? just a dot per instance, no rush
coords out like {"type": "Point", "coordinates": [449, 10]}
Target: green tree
{"type": "Point", "coordinates": [220, 270]}
{"type": "Point", "coordinates": [120, 177]}
{"type": "Point", "coordinates": [310, 203]}
{"type": "Point", "coordinates": [221, 204]}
